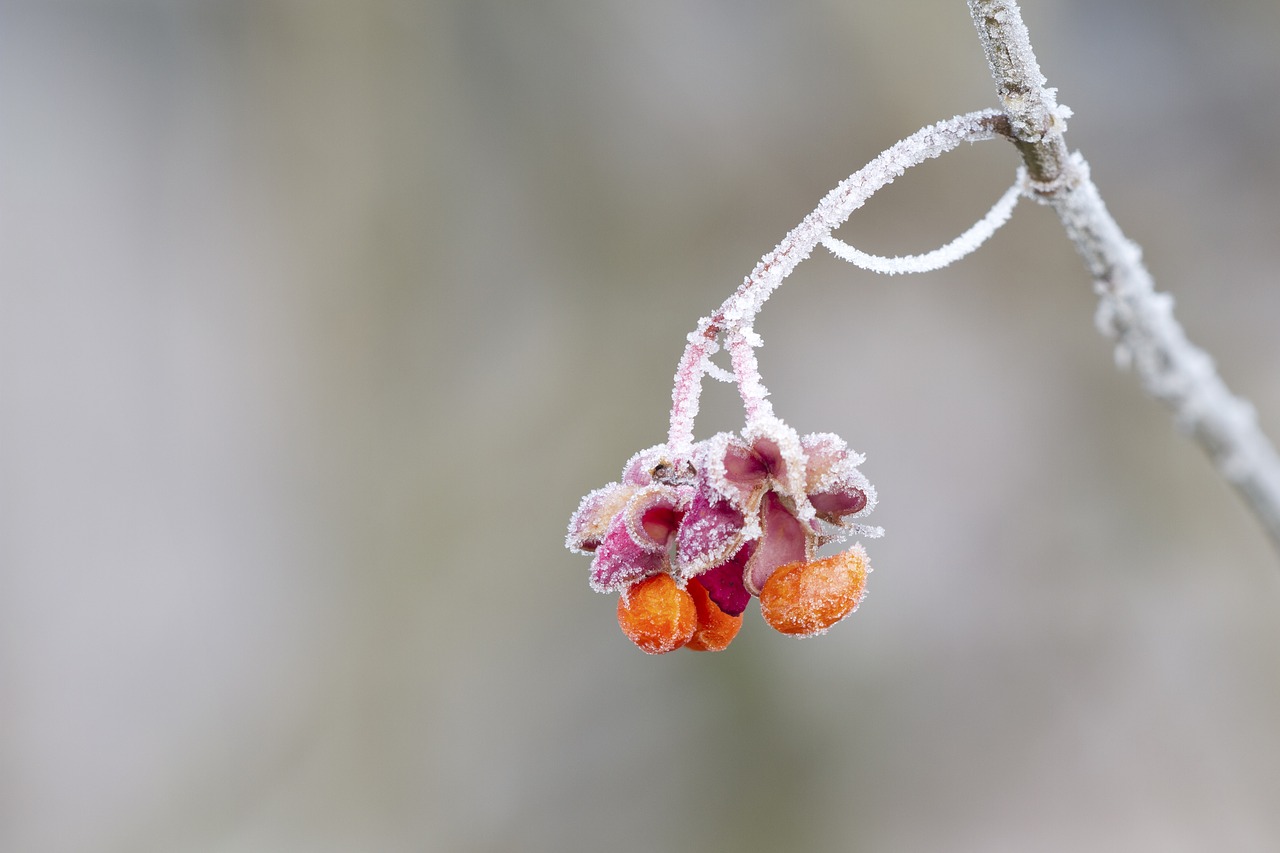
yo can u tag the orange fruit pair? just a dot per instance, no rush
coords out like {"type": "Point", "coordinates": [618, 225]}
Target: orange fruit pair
{"type": "Point", "coordinates": [801, 599]}
{"type": "Point", "coordinates": [659, 617]}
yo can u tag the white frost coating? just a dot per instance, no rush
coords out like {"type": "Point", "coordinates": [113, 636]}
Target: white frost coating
{"type": "Point", "coordinates": [686, 392]}
{"type": "Point", "coordinates": [715, 371]}
{"type": "Point", "coordinates": [965, 244]}
{"type": "Point", "coordinates": [747, 369]}
{"type": "Point", "coordinates": [933, 141]}
{"type": "Point", "coordinates": [709, 367]}
{"type": "Point", "coordinates": [734, 318]}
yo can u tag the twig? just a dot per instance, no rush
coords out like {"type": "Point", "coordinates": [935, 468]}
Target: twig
{"type": "Point", "coordinates": [1130, 311]}
{"type": "Point", "coordinates": [733, 320]}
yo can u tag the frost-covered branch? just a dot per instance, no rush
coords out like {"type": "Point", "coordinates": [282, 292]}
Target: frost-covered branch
{"type": "Point", "coordinates": [965, 244]}
{"type": "Point", "coordinates": [1148, 337]}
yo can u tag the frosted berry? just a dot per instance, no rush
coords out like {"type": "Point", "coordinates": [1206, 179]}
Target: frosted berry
{"type": "Point", "coordinates": [657, 615]}
{"type": "Point", "coordinates": [806, 598]}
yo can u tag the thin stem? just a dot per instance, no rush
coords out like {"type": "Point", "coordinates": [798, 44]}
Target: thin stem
{"type": "Point", "coordinates": [1130, 311]}
{"type": "Point", "coordinates": [686, 392]}
{"type": "Point", "coordinates": [1035, 119]}
{"type": "Point", "coordinates": [755, 397]}
{"type": "Point", "coordinates": [734, 318]}
{"type": "Point", "coordinates": [966, 243]}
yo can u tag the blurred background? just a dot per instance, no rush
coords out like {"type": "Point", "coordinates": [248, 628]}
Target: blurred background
{"type": "Point", "coordinates": [318, 318]}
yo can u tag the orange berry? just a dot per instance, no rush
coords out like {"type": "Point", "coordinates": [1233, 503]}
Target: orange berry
{"type": "Point", "coordinates": [657, 615]}
{"type": "Point", "coordinates": [804, 599]}
{"type": "Point", "coordinates": [716, 629]}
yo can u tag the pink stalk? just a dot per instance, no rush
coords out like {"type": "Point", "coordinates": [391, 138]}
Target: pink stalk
{"type": "Point", "coordinates": [687, 391]}
{"type": "Point", "coordinates": [742, 355]}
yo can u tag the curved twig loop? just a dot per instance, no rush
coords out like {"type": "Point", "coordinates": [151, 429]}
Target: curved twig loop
{"type": "Point", "coordinates": [734, 318]}
{"type": "Point", "coordinates": [965, 244]}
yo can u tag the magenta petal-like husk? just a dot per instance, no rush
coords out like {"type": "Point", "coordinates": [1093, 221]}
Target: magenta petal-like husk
{"type": "Point", "coordinates": [710, 532]}
{"type": "Point", "coordinates": [742, 466]}
{"type": "Point", "coordinates": [834, 505]}
{"type": "Point", "coordinates": [652, 516]}
{"type": "Point", "coordinates": [785, 540]}
{"type": "Point", "coordinates": [620, 561]}
{"type": "Point", "coordinates": [771, 459]}
{"type": "Point", "coordinates": [724, 583]}
{"type": "Point", "coordinates": [590, 522]}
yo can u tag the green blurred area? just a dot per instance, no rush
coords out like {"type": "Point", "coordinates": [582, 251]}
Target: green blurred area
{"type": "Point", "coordinates": [317, 319]}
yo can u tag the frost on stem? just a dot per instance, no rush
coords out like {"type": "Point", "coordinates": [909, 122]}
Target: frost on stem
{"type": "Point", "coordinates": [965, 244]}
{"type": "Point", "coordinates": [733, 320]}
{"type": "Point", "coordinates": [1036, 122]}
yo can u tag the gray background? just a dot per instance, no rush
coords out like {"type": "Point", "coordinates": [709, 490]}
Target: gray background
{"type": "Point", "coordinates": [317, 318]}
